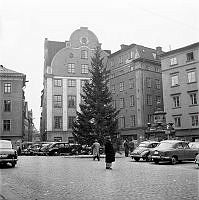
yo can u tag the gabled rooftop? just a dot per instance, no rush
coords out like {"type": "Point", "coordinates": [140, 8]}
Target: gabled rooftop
{"type": "Point", "coordinates": [8, 72]}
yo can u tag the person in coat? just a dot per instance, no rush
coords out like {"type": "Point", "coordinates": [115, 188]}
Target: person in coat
{"type": "Point", "coordinates": [109, 153]}
{"type": "Point", "coordinates": [96, 150]}
{"type": "Point", "coordinates": [126, 148]}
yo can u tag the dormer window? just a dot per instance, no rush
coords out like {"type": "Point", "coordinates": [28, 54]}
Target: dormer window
{"type": "Point", "coordinates": [190, 56]}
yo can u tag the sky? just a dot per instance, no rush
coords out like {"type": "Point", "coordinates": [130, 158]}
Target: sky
{"type": "Point", "coordinates": [24, 25]}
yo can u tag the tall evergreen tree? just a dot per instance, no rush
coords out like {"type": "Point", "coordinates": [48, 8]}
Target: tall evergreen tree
{"type": "Point", "coordinates": [97, 117]}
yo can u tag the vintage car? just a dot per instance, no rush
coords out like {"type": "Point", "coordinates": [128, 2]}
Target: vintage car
{"type": "Point", "coordinates": [143, 150]}
{"type": "Point", "coordinates": [173, 151]}
{"type": "Point", "coordinates": [7, 153]}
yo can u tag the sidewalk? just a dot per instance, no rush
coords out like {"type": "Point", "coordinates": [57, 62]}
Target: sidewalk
{"type": "Point", "coordinates": [117, 155]}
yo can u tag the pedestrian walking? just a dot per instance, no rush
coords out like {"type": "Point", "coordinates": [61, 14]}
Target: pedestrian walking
{"type": "Point", "coordinates": [96, 150]}
{"type": "Point", "coordinates": [126, 148]}
{"type": "Point", "coordinates": [131, 146]}
{"type": "Point", "coordinates": [109, 153]}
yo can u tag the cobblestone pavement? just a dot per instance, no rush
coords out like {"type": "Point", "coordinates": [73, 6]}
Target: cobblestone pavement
{"type": "Point", "coordinates": [61, 178]}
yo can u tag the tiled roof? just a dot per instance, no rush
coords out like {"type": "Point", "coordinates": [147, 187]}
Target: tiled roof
{"type": "Point", "coordinates": [4, 71]}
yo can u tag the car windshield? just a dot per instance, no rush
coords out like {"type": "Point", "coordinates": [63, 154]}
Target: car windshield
{"type": "Point", "coordinates": [165, 145]}
{"type": "Point", "coordinates": [45, 146]}
{"type": "Point", "coordinates": [143, 144]}
{"type": "Point", "coordinates": [5, 145]}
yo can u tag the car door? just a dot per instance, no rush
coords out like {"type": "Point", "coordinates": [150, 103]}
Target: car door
{"type": "Point", "coordinates": [179, 151]}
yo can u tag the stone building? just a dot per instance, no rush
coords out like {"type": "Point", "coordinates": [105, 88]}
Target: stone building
{"type": "Point", "coordinates": [136, 87]}
{"type": "Point", "coordinates": [180, 76]}
{"type": "Point", "coordinates": [66, 68]}
{"type": "Point", "coordinates": [11, 105]}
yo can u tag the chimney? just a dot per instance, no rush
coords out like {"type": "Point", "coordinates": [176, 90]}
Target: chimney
{"type": "Point", "coordinates": [159, 50]}
{"type": "Point", "coordinates": [1, 67]}
{"type": "Point", "coordinates": [122, 46]}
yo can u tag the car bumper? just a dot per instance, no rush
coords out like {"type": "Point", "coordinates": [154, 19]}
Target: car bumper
{"type": "Point", "coordinates": [161, 158]}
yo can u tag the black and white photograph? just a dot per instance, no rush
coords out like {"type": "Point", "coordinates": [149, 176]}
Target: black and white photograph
{"type": "Point", "coordinates": [99, 100]}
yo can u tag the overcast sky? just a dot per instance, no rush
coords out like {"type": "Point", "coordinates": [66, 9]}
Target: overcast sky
{"type": "Point", "coordinates": [24, 24]}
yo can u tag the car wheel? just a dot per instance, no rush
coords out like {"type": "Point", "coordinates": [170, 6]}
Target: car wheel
{"type": "Point", "coordinates": [156, 161]}
{"type": "Point", "coordinates": [148, 159]}
{"type": "Point", "coordinates": [136, 159]}
{"type": "Point", "coordinates": [56, 153]}
{"type": "Point", "coordinates": [174, 160]}
{"type": "Point", "coordinates": [13, 164]}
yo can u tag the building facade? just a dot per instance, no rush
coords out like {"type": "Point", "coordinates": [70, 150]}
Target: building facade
{"type": "Point", "coordinates": [11, 105]}
{"type": "Point", "coordinates": [180, 76]}
{"type": "Point", "coordinates": [66, 68]}
{"type": "Point", "coordinates": [136, 87]}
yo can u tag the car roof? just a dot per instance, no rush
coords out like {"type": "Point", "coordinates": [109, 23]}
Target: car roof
{"type": "Point", "coordinates": [172, 141]}
{"type": "Point", "coordinates": [5, 141]}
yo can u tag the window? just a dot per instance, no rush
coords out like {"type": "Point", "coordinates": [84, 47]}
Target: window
{"type": "Point", "coordinates": [83, 82]}
{"type": "Point", "coordinates": [131, 83]}
{"type": "Point", "coordinates": [70, 121]}
{"type": "Point", "coordinates": [71, 68]}
{"type": "Point", "coordinates": [58, 122]}
{"type": "Point", "coordinates": [191, 77]}
{"type": "Point", "coordinates": [71, 101]}
{"type": "Point", "coordinates": [84, 69]}
{"type": "Point", "coordinates": [174, 80]}
{"type": "Point", "coordinates": [7, 105]}
{"type": "Point", "coordinates": [112, 76]}
{"type": "Point", "coordinates": [194, 120]}
{"type": "Point", "coordinates": [122, 122]}
{"type": "Point", "coordinates": [57, 101]}
{"type": "Point", "coordinates": [132, 100]}
{"type": "Point", "coordinates": [121, 59]}
{"type": "Point", "coordinates": [7, 87]}
{"type": "Point", "coordinates": [150, 118]}
{"type": "Point", "coordinates": [157, 100]}
{"type": "Point", "coordinates": [173, 61]}
{"type": "Point", "coordinates": [177, 121]}
{"type": "Point", "coordinates": [193, 97]}
{"type": "Point", "coordinates": [71, 83]}
{"type": "Point", "coordinates": [6, 125]}
{"type": "Point", "coordinates": [149, 99]}
{"type": "Point", "coordinates": [112, 63]}
{"type": "Point", "coordinates": [133, 123]}
{"type": "Point", "coordinates": [121, 86]}
{"type": "Point", "coordinates": [121, 102]}
{"type": "Point", "coordinates": [57, 139]}
{"type": "Point", "coordinates": [157, 84]}
{"type": "Point", "coordinates": [84, 54]}
{"type": "Point", "coordinates": [148, 82]}
{"type": "Point", "coordinates": [190, 56]}
{"type": "Point", "coordinates": [57, 82]}
{"type": "Point", "coordinates": [113, 89]}
{"type": "Point", "coordinates": [176, 101]}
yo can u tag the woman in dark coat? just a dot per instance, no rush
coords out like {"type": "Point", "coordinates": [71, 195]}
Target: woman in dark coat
{"type": "Point", "coordinates": [109, 152]}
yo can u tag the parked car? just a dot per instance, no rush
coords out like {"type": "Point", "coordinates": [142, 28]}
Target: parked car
{"type": "Point", "coordinates": [143, 150]}
{"type": "Point", "coordinates": [57, 148]}
{"type": "Point", "coordinates": [7, 153]}
{"type": "Point", "coordinates": [173, 151]}
{"type": "Point", "coordinates": [197, 160]}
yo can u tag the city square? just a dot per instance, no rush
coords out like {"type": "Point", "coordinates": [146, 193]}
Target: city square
{"type": "Point", "coordinates": [61, 177]}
